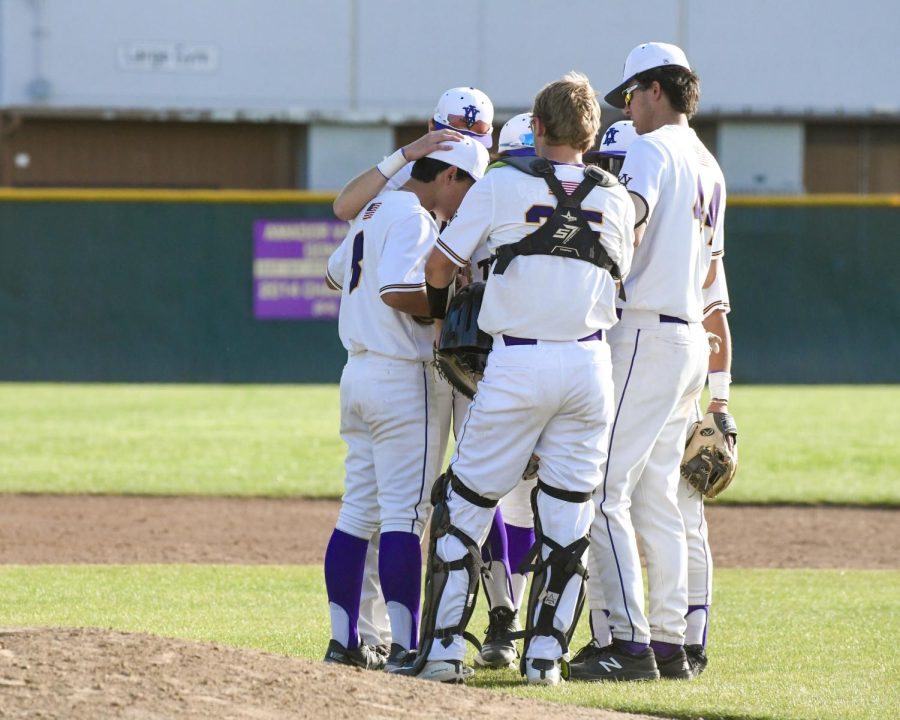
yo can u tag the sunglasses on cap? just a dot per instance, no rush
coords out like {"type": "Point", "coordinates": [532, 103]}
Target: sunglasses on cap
{"type": "Point", "coordinates": [629, 91]}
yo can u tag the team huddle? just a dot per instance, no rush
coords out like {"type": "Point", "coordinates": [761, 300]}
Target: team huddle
{"type": "Point", "coordinates": [576, 297]}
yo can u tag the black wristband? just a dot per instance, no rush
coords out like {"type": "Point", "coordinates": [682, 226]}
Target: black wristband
{"type": "Point", "coordinates": [437, 300]}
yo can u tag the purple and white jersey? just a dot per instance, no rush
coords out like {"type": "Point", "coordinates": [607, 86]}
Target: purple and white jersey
{"type": "Point", "coordinates": [684, 189]}
{"type": "Point", "coordinates": [386, 250]}
{"type": "Point", "coordinates": [540, 296]}
{"type": "Point", "coordinates": [338, 257]}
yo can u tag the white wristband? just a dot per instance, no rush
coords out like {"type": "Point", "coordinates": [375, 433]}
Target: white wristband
{"type": "Point", "coordinates": [719, 383]}
{"type": "Point", "coordinates": [392, 164]}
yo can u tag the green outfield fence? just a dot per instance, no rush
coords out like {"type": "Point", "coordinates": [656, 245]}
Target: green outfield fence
{"type": "Point", "coordinates": [135, 286]}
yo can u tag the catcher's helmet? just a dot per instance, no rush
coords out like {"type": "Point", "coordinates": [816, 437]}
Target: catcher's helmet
{"type": "Point", "coordinates": [463, 348]}
{"type": "Point", "coordinates": [612, 145]}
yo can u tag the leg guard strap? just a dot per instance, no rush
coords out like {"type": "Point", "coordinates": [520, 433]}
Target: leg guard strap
{"type": "Point", "coordinates": [563, 562]}
{"type": "Point", "coordinates": [438, 571]}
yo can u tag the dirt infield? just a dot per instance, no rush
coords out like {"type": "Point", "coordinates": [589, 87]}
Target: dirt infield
{"type": "Point", "coordinates": [101, 529]}
{"type": "Point", "coordinates": [85, 673]}
{"type": "Point", "coordinates": [91, 674]}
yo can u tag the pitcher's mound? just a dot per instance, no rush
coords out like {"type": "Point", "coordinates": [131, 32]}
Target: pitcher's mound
{"type": "Point", "coordinates": [87, 673]}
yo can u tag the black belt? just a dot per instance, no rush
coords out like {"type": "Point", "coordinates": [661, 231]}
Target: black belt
{"type": "Point", "coordinates": [662, 318]}
{"type": "Point", "coordinates": [513, 340]}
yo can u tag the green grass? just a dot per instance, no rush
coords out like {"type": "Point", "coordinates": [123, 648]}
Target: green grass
{"type": "Point", "coordinates": [804, 444]}
{"type": "Point", "coordinates": [791, 644]}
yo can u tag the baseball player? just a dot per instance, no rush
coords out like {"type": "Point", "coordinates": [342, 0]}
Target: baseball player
{"type": "Point", "coordinates": [660, 356]}
{"type": "Point", "coordinates": [462, 111]}
{"type": "Point", "coordinates": [390, 418]}
{"type": "Point", "coordinates": [547, 387]}
{"type": "Point", "coordinates": [610, 155]}
{"type": "Point", "coordinates": [511, 536]}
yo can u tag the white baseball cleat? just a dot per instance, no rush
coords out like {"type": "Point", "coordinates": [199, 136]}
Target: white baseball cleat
{"type": "Point", "coordinates": [539, 671]}
{"type": "Point", "coordinates": [446, 671]}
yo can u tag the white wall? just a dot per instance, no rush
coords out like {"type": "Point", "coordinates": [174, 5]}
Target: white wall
{"type": "Point", "coordinates": [761, 157]}
{"type": "Point", "coordinates": [338, 152]}
{"type": "Point", "coordinates": [373, 60]}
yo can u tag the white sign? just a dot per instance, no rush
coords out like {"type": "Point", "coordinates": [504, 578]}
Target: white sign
{"type": "Point", "coordinates": [167, 57]}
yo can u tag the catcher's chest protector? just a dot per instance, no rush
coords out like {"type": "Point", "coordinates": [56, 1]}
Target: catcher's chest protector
{"type": "Point", "coordinates": [566, 232]}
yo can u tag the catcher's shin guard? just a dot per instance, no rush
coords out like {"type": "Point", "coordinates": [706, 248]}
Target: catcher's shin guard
{"type": "Point", "coordinates": [438, 570]}
{"type": "Point", "coordinates": [564, 563]}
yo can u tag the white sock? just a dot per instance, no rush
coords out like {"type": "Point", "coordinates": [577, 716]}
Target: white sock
{"type": "Point", "coordinates": [696, 627]}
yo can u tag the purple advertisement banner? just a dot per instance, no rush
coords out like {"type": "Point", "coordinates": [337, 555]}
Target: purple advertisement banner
{"type": "Point", "coordinates": [289, 261]}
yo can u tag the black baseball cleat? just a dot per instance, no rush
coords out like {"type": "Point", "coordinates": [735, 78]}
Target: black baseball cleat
{"type": "Point", "coordinates": [589, 651]}
{"type": "Point", "coordinates": [614, 663]}
{"type": "Point", "coordinates": [497, 650]}
{"type": "Point", "coordinates": [364, 656]}
{"type": "Point", "coordinates": [398, 657]}
{"type": "Point", "coordinates": [696, 655]}
{"type": "Point", "coordinates": [674, 666]}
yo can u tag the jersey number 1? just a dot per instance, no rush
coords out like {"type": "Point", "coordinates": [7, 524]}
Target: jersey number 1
{"type": "Point", "coordinates": [356, 262]}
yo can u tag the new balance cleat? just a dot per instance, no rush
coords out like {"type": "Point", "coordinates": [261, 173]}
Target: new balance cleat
{"type": "Point", "coordinates": [589, 651]}
{"type": "Point", "coordinates": [615, 663]}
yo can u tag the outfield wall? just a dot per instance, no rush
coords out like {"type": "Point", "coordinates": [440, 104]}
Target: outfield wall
{"type": "Point", "coordinates": [134, 286]}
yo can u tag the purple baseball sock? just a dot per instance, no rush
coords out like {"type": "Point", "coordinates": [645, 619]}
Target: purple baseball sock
{"type": "Point", "coordinates": [519, 542]}
{"type": "Point", "coordinates": [400, 572]}
{"type": "Point", "coordinates": [345, 562]}
{"type": "Point", "coordinates": [635, 648]}
{"type": "Point", "coordinates": [496, 547]}
{"type": "Point", "coordinates": [664, 649]}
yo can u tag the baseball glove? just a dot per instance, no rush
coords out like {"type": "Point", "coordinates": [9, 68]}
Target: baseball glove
{"type": "Point", "coordinates": [710, 456]}
{"type": "Point", "coordinates": [462, 369]}
{"type": "Point", "coordinates": [462, 349]}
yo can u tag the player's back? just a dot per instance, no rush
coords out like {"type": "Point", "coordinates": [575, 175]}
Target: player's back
{"type": "Point", "coordinates": [392, 237]}
{"type": "Point", "coordinates": [541, 296]}
{"type": "Point", "coordinates": [684, 188]}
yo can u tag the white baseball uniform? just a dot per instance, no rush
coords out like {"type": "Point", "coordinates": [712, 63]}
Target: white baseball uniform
{"type": "Point", "coordinates": [547, 387]}
{"type": "Point", "coordinates": [660, 355]}
{"type": "Point", "coordinates": [394, 426]}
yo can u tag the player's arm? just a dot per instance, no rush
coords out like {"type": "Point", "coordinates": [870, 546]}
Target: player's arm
{"type": "Point", "coordinates": [641, 212]}
{"type": "Point", "coordinates": [717, 306]}
{"type": "Point", "coordinates": [365, 186]}
{"type": "Point", "coordinates": [456, 245]}
{"type": "Point", "coordinates": [411, 303]}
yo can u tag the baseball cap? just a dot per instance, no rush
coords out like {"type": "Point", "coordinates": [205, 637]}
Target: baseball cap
{"type": "Point", "coordinates": [516, 136]}
{"type": "Point", "coordinates": [467, 154]}
{"type": "Point", "coordinates": [646, 57]}
{"type": "Point", "coordinates": [468, 103]}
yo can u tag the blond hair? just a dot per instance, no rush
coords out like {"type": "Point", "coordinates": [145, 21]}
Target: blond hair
{"type": "Point", "coordinates": [569, 110]}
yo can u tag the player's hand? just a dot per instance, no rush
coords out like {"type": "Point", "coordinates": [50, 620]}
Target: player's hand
{"type": "Point", "coordinates": [429, 142]}
{"type": "Point", "coordinates": [715, 342]}
{"type": "Point", "coordinates": [717, 407]}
